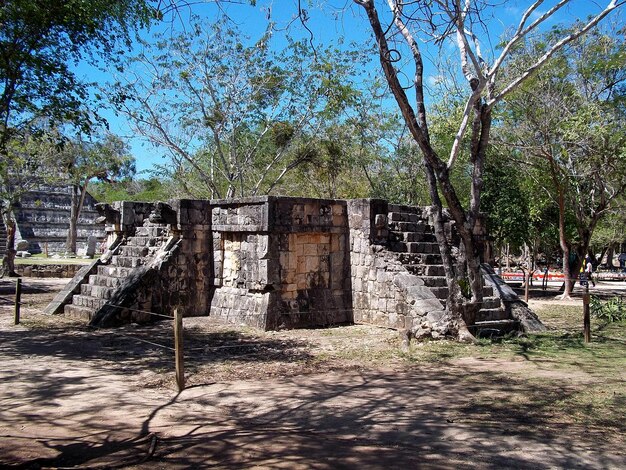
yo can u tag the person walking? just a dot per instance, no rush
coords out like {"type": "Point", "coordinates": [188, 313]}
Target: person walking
{"type": "Point", "coordinates": [622, 262]}
{"type": "Point", "coordinates": [589, 271]}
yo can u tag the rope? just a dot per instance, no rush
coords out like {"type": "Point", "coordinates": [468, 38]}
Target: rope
{"type": "Point", "coordinates": [148, 342]}
{"type": "Point", "coordinates": [169, 317]}
{"type": "Point", "coordinates": [11, 300]}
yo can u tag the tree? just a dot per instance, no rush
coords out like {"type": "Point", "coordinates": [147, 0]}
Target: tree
{"type": "Point", "coordinates": [39, 43]}
{"type": "Point", "coordinates": [30, 158]}
{"type": "Point", "coordinates": [609, 235]}
{"type": "Point", "coordinates": [230, 113]}
{"type": "Point", "coordinates": [461, 23]}
{"type": "Point", "coordinates": [150, 189]}
{"type": "Point", "coordinates": [572, 130]}
{"type": "Point", "coordinates": [506, 204]}
{"type": "Point", "coordinates": [80, 162]}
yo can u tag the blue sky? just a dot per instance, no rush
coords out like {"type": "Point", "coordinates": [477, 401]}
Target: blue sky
{"type": "Point", "coordinates": [334, 20]}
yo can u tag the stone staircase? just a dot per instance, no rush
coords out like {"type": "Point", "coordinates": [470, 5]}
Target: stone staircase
{"type": "Point", "coordinates": [133, 253]}
{"type": "Point", "coordinates": [412, 238]}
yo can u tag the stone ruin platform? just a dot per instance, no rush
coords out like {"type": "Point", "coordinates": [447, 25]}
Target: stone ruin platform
{"type": "Point", "coordinates": [272, 263]}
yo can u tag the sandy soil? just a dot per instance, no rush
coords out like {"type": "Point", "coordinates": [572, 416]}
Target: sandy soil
{"type": "Point", "coordinates": [70, 397]}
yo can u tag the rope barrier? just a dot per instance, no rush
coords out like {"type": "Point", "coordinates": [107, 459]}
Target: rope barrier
{"type": "Point", "coordinates": [148, 342]}
{"type": "Point", "coordinates": [169, 317]}
{"type": "Point", "coordinates": [11, 300]}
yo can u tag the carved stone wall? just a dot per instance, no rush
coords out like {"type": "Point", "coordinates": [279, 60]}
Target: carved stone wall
{"type": "Point", "coordinates": [275, 262]}
{"type": "Point", "coordinates": [43, 219]}
{"type": "Point", "coordinates": [280, 262]}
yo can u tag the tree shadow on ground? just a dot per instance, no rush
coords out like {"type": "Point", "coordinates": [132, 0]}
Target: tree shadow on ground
{"type": "Point", "coordinates": [132, 349]}
{"type": "Point", "coordinates": [420, 418]}
{"type": "Point", "coordinates": [435, 416]}
{"type": "Point", "coordinates": [7, 287]}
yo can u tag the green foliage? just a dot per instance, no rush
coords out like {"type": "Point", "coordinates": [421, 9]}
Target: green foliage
{"type": "Point", "coordinates": [465, 287]}
{"type": "Point", "coordinates": [564, 129]}
{"type": "Point", "coordinates": [612, 310]}
{"type": "Point", "coordinates": [236, 115]}
{"type": "Point", "coordinates": [41, 97]}
{"type": "Point", "coordinates": [40, 41]}
{"type": "Point", "coordinates": [105, 159]}
{"type": "Point", "coordinates": [505, 202]}
{"type": "Point", "coordinates": [150, 190]}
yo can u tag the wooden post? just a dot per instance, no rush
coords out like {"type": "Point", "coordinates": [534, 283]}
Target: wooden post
{"type": "Point", "coordinates": [178, 349]}
{"type": "Point", "coordinates": [18, 298]}
{"type": "Point", "coordinates": [586, 315]}
{"type": "Point", "coordinates": [527, 289]}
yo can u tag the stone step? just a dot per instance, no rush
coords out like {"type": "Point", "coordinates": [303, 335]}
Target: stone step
{"type": "Point", "coordinates": [490, 302]}
{"type": "Point", "coordinates": [134, 251]}
{"type": "Point", "coordinates": [87, 301]}
{"type": "Point", "coordinates": [426, 270]}
{"type": "Point", "coordinates": [105, 281]}
{"type": "Point", "coordinates": [114, 271]}
{"type": "Point", "coordinates": [491, 314]}
{"type": "Point", "coordinates": [410, 258]}
{"type": "Point", "coordinates": [142, 241]}
{"type": "Point", "coordinates": [75, 311]}
{"type": "Point", "coordinates": [489, 329]}
{"type": "Point", "coordinates": [421, 259]}
{"type": "Point", "coordinates": [152, 231]}
{"type": "Point", "coordinates": [435, 281]}
{"type": "Point", "coordinates": [441, 292]}
{"type": "Point", "coordinates": [414, 247]}
{"type": "Point", "coordinates": [412, 237]}
{"type": "Point", "coordinates": [405, 209]}
{"type": "Point", "coordinates": [403, 217]}
{"type": "Point", "coordinates": [98, 292]}
{"type": "Point", "coordinates": [127, 261]}
{"type": "Point", "coordinates": [419, 227]}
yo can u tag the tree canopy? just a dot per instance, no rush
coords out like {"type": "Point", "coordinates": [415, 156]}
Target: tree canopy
{"type": "Point", "coordinates": [567, 125]}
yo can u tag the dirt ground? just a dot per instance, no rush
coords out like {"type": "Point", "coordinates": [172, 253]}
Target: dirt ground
{"type": "Point", "coordinates": [344, 397]}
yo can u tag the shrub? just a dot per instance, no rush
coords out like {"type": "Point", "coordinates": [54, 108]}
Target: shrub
{"type": "Point", "coordinates": [613, 310]}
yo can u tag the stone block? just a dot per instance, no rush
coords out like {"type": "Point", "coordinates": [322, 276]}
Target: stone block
{"type": "Point", "coordinates": [362, 272]}
{"type": "Point", "coordinates": [404, 281]}
{"type": "Point", "coordinates": [324, 263]}
{"type": "Point", "coordinates": [426, 305]}
{"type": "Point", "coordinates": [420, 292]}
{"type": "Point", "coordinates": [301, 264]}
{"type": "Point", "coordinates": [435, 316]}
{"type": "Point", "coordinates": [292, 261]}
{"type": "Point", "coordinates": [338, 209]}
{"type": "Point", "coordinates": [301, 281]}
{"type": "Point", "coordinates": [299, 249]}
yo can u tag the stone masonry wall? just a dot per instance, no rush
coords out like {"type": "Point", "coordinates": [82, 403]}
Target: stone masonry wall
{"type": "Point", "coordinates": [180, 273]}
{"type": "Point", "coordinates": [280, 262]}
{"type": "Point", "coordinates": [310, 236]}
{"type": "Point", "coordinates": [43, 219]}
{"type": "Point", "coordinates": [244, 267]}
{"type": "Point", "coordinates": [277, 262]}
{"type": "Point", "coordinates": [384, 292]}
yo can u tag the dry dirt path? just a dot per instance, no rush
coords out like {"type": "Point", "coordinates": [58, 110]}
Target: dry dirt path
{"type": "Point", "coordinates": [64, 405]}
